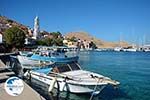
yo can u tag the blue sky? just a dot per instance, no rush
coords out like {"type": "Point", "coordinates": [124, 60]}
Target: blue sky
{"type": "Point", "coordinates": [105, 19]}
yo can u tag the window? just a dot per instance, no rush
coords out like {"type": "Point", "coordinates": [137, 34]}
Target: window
{"type": "Point", "coordinates": [63, 68]}
{"type": "Point", "coordinates": [74, 66]}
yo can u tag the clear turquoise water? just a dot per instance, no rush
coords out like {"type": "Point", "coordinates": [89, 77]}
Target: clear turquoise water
{"type": "Point", "coordinates": [131, 69]}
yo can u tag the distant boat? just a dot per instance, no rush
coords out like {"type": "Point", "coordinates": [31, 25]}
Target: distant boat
{"type": "Point", "coordinates": [70, 77]}
{"type": "Point", "coordinates": [146, 48]}
{"type": "Point", "coordinates": [132, 48]}
{"type": "Point", "coordinates": [118, 49]}
{"type": "Point", "coordinates": [98, 49]}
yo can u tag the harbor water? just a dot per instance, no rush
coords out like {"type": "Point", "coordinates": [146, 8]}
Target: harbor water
{"type": "Point", "coordinates": [131, 69]}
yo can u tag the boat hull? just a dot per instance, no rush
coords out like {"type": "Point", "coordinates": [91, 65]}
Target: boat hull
{"type": "Point", "coordinates": [54, 59]}
{"type": "Point", "coordinates": [25, 60]}
{"type": "Point", "coordinates": [28, 63]}
{"type": "Point", "coordinates": [66, 86]}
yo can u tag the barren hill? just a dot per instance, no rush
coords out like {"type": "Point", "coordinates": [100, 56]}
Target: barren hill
{"type": "Point", "coordinates": [6, 23]}
{"type": "Point", "coordinates": [99, 43]}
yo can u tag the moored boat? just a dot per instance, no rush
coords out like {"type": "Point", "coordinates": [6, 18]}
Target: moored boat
{"type": "Point", "coordinates": [55, 54]}
{"type": "Point", "coordinates": [70, 77]}
{"type": "Point", "coordinates": [27, 63]}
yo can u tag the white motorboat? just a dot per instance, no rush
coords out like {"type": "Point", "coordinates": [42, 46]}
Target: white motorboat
{"type": "Point", "coordinates": [70, 77]}
{"type": "Point", "coordinates": [130, 49]}
{"type": "Point", "coordinates": [146, 48]}
{"type": "Point", "coordinates": [117, 48]}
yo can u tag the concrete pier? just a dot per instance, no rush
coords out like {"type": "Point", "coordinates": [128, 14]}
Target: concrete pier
{"type": "Point", "coordinates": [27, 94]}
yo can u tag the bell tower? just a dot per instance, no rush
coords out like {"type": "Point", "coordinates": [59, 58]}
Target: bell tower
{"type": "Point", "coordinates": [36, 28]}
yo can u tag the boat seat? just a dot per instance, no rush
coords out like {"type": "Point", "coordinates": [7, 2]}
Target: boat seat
{"type": "Point", "coordinates": [55, 70]}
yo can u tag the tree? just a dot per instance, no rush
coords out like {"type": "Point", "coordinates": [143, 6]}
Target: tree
{"type": "Point", "coordinates": [59, 42]}
{"type": "Point", "coordinates": [73, 39]}
{"type": "Point", "coordinates": [10, 21]}
{"type": "Point", "coordinates": [14, 37]}
{"type": "Point", "coordinates": [56, 34]}
{"type": "Point", "coordinates": [48, 41]}
{"type": "Point", "coordinates": [92, 45]}
{"type": "Point", "coordinates": [41, 42]}
{"type": "Point", "coordinates": [56, 40]}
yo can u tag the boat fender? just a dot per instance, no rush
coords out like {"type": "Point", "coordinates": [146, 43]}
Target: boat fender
{"type": "Point", "coordinates": [26, 74]}
{"type": "Point", "coordinates": [52, 84]}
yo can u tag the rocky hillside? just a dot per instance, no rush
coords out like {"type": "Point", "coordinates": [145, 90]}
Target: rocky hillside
{"type": "Point", "coordinates": [99, 43]}
{"type": "Point", "coordinates": [6, 23]}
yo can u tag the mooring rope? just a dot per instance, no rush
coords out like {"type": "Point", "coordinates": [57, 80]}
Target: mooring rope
{"type": "Point", "coordinates": [94, 89]}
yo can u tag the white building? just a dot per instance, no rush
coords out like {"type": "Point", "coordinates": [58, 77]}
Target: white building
{"type": "Point", "coordinates": [1, 38]}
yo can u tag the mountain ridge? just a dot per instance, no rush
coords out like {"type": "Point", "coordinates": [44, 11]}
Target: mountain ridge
{"type": "Point", "coordinates": [99, 43]}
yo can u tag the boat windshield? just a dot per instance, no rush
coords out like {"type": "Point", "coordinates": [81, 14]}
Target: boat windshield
{"type": "Point", "coordinates": [63, 68]}
{"type": "Point", "coordinates": [74, 66]}
{"type": "Point", "coordinates": [60, 68]}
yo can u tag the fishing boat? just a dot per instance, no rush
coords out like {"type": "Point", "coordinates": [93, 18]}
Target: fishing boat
{"type": "Point", "coordinates": [70, 77]}
{"type": "Point", "coordinates": [55, 58]}
{"type": "Point", "coordinates": [54, 54]}
{"type": "Point", "coordinates": [27, 63]}
{"type": "Point", "coordinates": [46, 55]}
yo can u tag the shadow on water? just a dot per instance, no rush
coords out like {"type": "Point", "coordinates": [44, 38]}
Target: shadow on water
{"type": "Point", "coordinates": [55, 95]}
{"type": "Point", "coordinates": [111, 93]}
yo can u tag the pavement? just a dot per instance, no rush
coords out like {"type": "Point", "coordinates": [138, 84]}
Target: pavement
{"type": "Point", "coordinates": [27, 94]}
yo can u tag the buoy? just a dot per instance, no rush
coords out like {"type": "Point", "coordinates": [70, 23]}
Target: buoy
{"type": "Point", "coordinates": [52, 84]}
{"type": "Point", "coordinates": [26, 74]}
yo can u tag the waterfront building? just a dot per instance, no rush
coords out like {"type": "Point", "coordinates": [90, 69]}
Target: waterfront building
{"type": "Point", "coordinates": [69, 43]}
{"type": "Point", "coordinates": [1, 38]}
{"type": "Point", "coordinates": [86, 44]}
{"type": "Point", "coordinates": [30, 32]}
{"type": "Point", "coordinates": [83, 44]}
{"type": "Point", "coordinates": [4, 26]}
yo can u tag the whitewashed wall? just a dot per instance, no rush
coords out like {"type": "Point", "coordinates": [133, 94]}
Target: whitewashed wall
{"type": "Point", "coordinates": [1, 38]}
